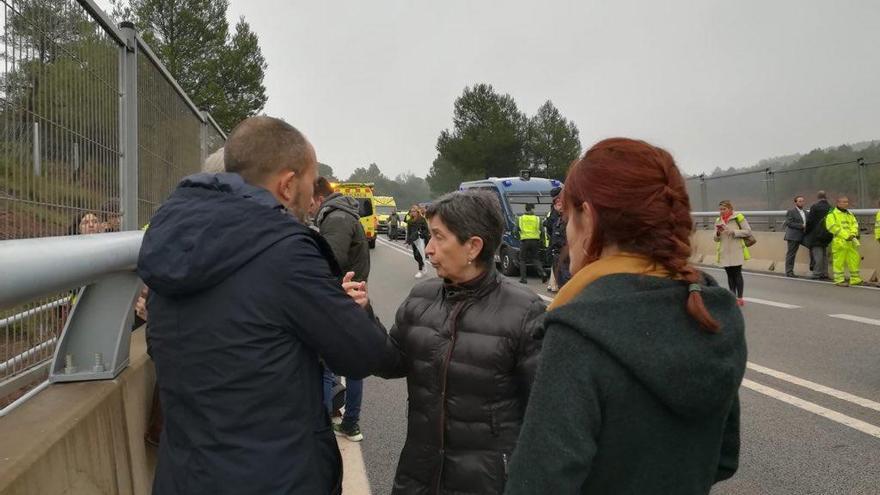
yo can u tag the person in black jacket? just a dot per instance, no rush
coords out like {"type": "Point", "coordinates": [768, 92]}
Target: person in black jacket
{"type": "Point", "coordinates": [817, 238]}
{"type": "Point", "coordinates": [468, 354]}
{"type": "Point", "coordinates": [417, 236]}
{"type": "Point", "coordinates": [339, 222]}
{"type": "Point", "coordinates": [555, 227]}
{"type": "Point", "coordinates": [243, 299]}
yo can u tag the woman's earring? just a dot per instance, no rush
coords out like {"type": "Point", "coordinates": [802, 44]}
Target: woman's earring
{"type": "Point", "coordinates": [470, 261]}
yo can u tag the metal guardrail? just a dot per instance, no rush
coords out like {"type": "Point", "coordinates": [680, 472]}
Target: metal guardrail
{"type": "Point", "coordinates": [768, 218]}
{"type": "Point", "coordinates": [94, 342]}
{"type": "Point", "coordinates": [779, 213]}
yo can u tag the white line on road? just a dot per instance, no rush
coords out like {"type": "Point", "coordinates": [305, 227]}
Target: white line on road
{"type": "Point", "coordinates": [794, 280]}
{"type": "Point", "coordinates": [835, 416]}
{"type": "Point", "coordinates": [354, 472]}
{"type": "Point", "coordinates": [770, 303]}
{"type": "Point", "coordinates": [860, 319]}
{"type": "Point", "coordinates": [839, 394]}
{"type": "Point", "coordinates": [548, 299]}
{"type": "Point", "coordinates": [394, 246]}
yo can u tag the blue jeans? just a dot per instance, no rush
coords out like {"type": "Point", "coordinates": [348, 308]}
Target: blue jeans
{"type": "Point", "coordinates": [354, 395]}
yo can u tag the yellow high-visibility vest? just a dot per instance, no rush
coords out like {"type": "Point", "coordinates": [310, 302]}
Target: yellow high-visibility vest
{"type": "Point", "coordinates": [529, 227]}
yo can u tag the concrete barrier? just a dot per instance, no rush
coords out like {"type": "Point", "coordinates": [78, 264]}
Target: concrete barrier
{"type": "Point", "coordinates": [768, 254]}
{"type": "Point", "coordinates": [83, 438]}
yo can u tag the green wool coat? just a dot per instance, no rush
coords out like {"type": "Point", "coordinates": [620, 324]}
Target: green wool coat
{"type": "Point", "coordinates": [631, 396]}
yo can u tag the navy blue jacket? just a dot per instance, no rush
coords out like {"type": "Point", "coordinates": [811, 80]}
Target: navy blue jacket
{"type": "Point", "coordinates": [243, 300]}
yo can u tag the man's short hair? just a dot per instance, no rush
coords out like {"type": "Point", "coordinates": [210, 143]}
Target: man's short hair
{"type": "Point", "coordinates": [821, 195]}
{"type": "Point", "coordinates": [323, 187]}
{"type": "Point", "coordinates": [797, 198]}
{"type": "Point", "coordinates": [530, 207]}
{"type": "Point", "coordinates": [259, 147]}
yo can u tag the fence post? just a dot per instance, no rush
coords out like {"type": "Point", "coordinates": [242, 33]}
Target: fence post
{"type": "Point", "coordinates": [863, 183]}
{"type": "Point", "coordinates": [771, 196]}
{"type": "Point", "coordinates": [128, 128]}
{"type": "Point", "coordinates": [204, 136]}
{"type": "Point", "coordinates": [704, 198]}
{"type": "Point", "coordinates": [38, 163]}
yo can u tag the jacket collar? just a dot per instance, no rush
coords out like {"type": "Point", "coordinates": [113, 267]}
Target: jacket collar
{"type": "Point", "coordinates": [475, 289]}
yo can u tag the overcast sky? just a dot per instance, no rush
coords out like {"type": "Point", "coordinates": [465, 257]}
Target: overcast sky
{"type": "Point", "coordinates": [718, 83]}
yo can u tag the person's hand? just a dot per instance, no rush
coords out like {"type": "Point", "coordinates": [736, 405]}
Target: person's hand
{"type": "Point", "coordinates": [140, 307]}
{"type": "Point", "coordinates": [355, 290]}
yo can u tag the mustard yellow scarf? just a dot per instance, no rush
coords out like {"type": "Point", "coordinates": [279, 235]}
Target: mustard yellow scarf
{"type": "Point", "coordinates": [608, 265]}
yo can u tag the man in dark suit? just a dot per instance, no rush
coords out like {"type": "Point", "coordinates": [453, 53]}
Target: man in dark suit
{"type": "Point", "coordinates": [817, 237]}
{"type": "Point", "coordinates": [795, 225]}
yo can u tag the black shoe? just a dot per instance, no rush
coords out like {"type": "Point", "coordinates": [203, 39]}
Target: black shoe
{"type": "Point", "coordinates": [523, 281]}
{"type": "Point", "coordinates": [791, 275]}
{"type": "Point", "coordinates": [544, 280]}
{"type": "Point", "coordinates": [351, 431]}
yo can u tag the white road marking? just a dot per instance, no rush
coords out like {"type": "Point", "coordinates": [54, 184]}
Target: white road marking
{"type": "Point", "coordinates": [835, 416]}
{"type": "Point", "coordinates": [394, 246]}
{"type": "Point", "coordinates": [779, 277]}
{"type": "Point", "coordinates": [839, 394]}
{"type": "Point", "coordinates": [548, 299]}
{"type": "Point", "coordinates": [770, 303]}
{"type": "Point", "coordinates": [354, 472]}
{"type": "Point", "coordinates": [860, 319]}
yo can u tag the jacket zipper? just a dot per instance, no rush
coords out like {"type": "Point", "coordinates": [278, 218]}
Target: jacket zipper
{"type": "Point", "coordinates": [455, 313]}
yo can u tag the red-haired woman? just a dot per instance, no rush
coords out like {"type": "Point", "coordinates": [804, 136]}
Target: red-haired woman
{"type": "Point", "coordinates": [643, 354]}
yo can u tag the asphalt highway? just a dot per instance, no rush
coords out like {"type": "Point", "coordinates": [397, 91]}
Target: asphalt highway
{"type": "Point", "coordinates": [811, 398]}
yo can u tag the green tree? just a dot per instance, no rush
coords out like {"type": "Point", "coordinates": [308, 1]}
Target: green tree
{"type": "Point", "coordinates": [370, 173]}
{"type": "Point", "coordinates": [326, 171]}
{"type": "Point", "coordinates": [553, 143]}
{"type": "Point", "coordinates": [221, 73]}
{"type": "Point", "coordinates": [443, 177]}
{"type": "Point", "coordinates": [488, 135]}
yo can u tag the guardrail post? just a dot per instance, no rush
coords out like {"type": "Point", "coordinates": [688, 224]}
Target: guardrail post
{"type": "Point", "coordinates": [128, 128]}
{"type": "Point", "coordinates": [771, 195]}
{"type": "Point", "coordinates": [863, 183]}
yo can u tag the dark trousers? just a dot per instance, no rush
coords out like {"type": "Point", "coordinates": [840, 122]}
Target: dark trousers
{"type": "Point", "coordinates": [418, 256]}
{"type": "Point", "coordinates": [790, 255]}
{"type": "Point", "coordinates": [392, 233]}
{"type": "Point", "coordinates": [529, 252]}
{"type": "Point", "coordinates": [819, 255]}
{"type": "Point", "coordinates": [735, 281]}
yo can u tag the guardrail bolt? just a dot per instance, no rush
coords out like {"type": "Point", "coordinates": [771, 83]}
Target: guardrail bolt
{"type": "Point", "coordinates": [69, 368]}
{"type": "Point", "coordinates": [99, 363]}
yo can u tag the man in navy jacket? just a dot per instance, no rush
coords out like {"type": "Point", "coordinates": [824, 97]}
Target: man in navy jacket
{"type": "Point", "coordinates": [244, 298]}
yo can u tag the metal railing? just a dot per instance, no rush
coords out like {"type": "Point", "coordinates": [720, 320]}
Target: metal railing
{"type": "Point", "coordinates": [770, 190]}
{"type": "Point", "coordinates": [768, 220]}
{"type": "Point", "coordinates": [95, 135]}
{"type": "Point", "coordinates": [94, 341]}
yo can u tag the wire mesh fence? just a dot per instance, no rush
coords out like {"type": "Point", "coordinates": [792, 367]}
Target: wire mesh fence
{"type": "Point", "coordinates": [169, 138]}
{"type": "Point", "coordinates": [773, 190]}
{"type": "Point", "coordinates": [62, 147]}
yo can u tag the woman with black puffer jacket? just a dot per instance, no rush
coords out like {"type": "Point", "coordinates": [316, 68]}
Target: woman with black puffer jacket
{"type": "Point", "coordinates": [468, 353]}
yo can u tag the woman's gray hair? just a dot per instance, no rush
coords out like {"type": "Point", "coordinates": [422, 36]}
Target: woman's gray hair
{"type": "Point", "coordinates": [472, 214]}
{"type": "Point", "coordinates": [214, 164]}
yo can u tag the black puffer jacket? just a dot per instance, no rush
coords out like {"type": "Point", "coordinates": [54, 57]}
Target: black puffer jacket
{"type": "Point", "coordinates": [469, 356]}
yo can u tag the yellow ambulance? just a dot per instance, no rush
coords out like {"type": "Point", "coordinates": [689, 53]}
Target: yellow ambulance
{"type": "Point", "coordinates": [363, 193]}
